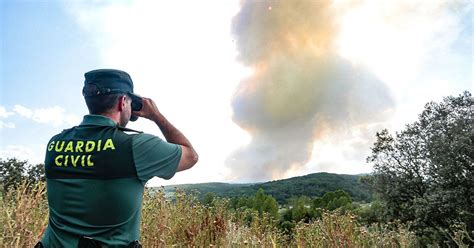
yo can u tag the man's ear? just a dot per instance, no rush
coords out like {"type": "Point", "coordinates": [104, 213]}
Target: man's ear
{"type": "Point", "coordinates": [122, 103]}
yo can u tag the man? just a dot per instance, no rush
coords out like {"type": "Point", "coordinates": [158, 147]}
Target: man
{"type": "Point", "coordinates": [96, 172]}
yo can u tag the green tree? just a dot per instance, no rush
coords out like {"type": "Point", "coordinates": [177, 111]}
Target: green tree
{"type": "Point", "coordinates": [333, 200]}
{"type": "Point", "coordinates": [35, 173]}
{"type": "Point", "coordinates": [298, 208]}
{"type": "Point", "coordinates": [209, 198]}
{"type": "Point", "coordinates": [425, 173]}
{"type": "Point", "coordinates": [371, 212]}
{"type": "Point", "coordinates": [13, 172]}
{"type": "Point", "coordinates": [271, 206]}
{"type": "Point", "coordinates": [260, 202]}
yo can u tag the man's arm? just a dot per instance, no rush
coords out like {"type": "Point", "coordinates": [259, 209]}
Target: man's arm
{"type": "Point", "coordinates": [189, 156]}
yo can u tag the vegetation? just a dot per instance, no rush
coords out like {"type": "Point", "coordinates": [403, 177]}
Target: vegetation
{"type": "Point", "coordinates": [186, 222]}
{"type": "Point", "coordinates": [312, 185]}
{"type": "Point", "coordinates": [260, 202]}
{"type": "Point", "coordinates": [422, 180]}
{"type": "Point", "coordinates": [24, 215]}
{"type": "Point", "coordinates": [424, 175]}
{"type": "Point", "coordinates": [13, 172]}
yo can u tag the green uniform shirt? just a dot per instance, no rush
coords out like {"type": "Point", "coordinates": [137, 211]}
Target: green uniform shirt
{"type": "Point", "coordinates": [95, 176]}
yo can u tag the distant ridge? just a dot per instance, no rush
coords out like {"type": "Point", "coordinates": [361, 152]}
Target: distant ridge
{"type": "Point", "coordinates": [315, 184]}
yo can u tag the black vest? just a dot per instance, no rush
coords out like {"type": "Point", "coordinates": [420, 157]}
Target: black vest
{"type": "Point", "coordinates": [90, 152]}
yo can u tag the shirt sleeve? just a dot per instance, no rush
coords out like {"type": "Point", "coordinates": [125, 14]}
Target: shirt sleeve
{"type": "Point", "coordinates": [154, 157]}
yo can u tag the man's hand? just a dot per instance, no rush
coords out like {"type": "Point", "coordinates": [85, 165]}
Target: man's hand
{"type": "Point", "coordinates": [189, 156]}
{"type": "Point", "coordinates": [149, 109]}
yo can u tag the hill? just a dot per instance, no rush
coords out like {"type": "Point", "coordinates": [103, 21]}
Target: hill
{"type": "Point", "coordinates": [311, 185]}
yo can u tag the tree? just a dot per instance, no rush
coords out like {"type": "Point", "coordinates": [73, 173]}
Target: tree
{"type": "Point", "coordinates": [35, 173]}
{"type": "Point", "coordinates": [425, 173]}
{"type": "Point", "coordinates": [371, 212]}
{"type": "Point", "coordinates": [298, 208]}
{"type": "Point", "coordinates": [271, 207]}
{"type": "Point", "coordinates": [260, 202]}
{"type": "Point", "coordinates": [13, 172]}
{"type": "Point", "coordinates": [209, 198]}
{"type": "Point", "coordinates": [333, 200]}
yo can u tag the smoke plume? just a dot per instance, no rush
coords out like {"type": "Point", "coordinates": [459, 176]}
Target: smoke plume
{"type": "Point", "coordinates": [300, 89]}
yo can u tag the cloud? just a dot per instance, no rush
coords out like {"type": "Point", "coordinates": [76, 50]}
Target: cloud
{"type": "Point", "coordinates": [55, 115]}
{"type": "Point", "coordinates": [301, 89]}
{"type": "Point", "coordinates": [395, 39]}
{"type": "Point", "coordinates": [23, 111]}
{"type": "Point", "coordinates": [6, 124]}
{"type": "Point", "coordinates": [421, 49]}
{"type": "Point", "coordinates": [4, 113]}
{"type": "Point", "coordinates": [21, 152]}
{"type": "Point", "coordinates": [346, 151]}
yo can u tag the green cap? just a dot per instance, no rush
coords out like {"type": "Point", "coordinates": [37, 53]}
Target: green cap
{"type": "Point", "coordinates": [111, 81]}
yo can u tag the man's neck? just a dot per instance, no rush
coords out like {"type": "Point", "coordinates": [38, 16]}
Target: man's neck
{"type": "Point", "coordinates": [114, 116]}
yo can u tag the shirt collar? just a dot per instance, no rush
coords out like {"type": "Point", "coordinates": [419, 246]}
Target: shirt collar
{"type": "Point", "coordinates": [98, 120]}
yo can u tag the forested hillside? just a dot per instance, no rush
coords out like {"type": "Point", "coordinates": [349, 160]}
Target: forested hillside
{"type": "Point", "coordinates": [311, 185]}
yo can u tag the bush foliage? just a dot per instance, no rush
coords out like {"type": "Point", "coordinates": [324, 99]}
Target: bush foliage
{"type": "Point", "coordinates": [186, 222]}
{"type": "Point", "coordinates": [424, 175]}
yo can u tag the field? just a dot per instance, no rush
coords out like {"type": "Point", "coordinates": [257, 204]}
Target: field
{"type": "Point", "coordinates": [186, 222]}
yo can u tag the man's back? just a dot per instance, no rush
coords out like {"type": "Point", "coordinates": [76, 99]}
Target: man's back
{"type": "Point", "coordinates": [108, 212]}
{"type": "Point", "coordinates": [92, 185]}
{"type": "Point", "coordinates": [96, 172]}
{"type": "Point", "coordinates": [95, 181]}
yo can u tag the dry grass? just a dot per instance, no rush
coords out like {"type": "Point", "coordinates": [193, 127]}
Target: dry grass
{"type": "Point", "coordinates": [335, 230]}
{"type": "Point", "coordinates": [24, 215]}
{"type": "Point", "coordinates": [185, 222]}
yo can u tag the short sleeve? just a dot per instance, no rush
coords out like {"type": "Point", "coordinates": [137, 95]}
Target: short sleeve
{"type": "Point", "coordinates": [154, 157]}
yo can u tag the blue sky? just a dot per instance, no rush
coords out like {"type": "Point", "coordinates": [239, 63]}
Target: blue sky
{"type": "Point", "coordinates": [43, 55]}
{"type": "Point", "coordinates": [184, 55]}
{"type": "Point", "coordinates": [44, 51]}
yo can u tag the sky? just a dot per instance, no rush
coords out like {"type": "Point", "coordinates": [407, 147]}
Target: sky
{"type": "Point", "coordinates": [264, 90]}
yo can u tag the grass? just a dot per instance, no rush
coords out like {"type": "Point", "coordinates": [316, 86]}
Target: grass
{"type": "Point", "coordinates": [24, 216]}
{"type": "Point", "coordinates": [185, 222]}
